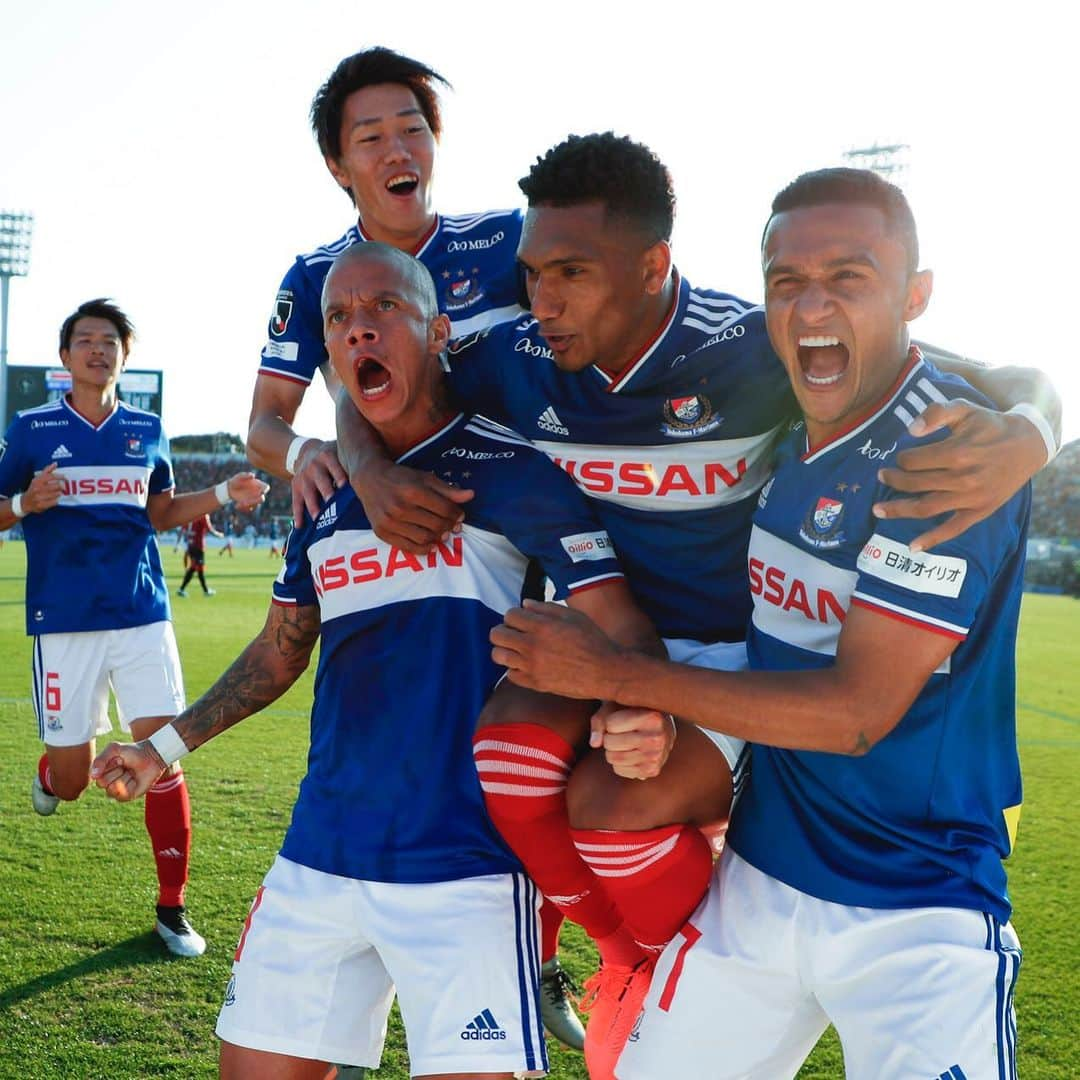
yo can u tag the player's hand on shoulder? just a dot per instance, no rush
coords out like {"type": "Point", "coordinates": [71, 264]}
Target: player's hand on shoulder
{"type": "Point", "coordinates": [987, 457]}
{"type": "Point", "coordinates": [636, 742]}
{"type": "Point", "coordinates": [410, 509]}
{"type": "Point", "coordinates": [247, 490]}
{"type": "Point", "coordinates": [318, 475]}
{"type": "Point", "coordinates": [126, 770]}
{"type": "Point", "coordinates": [44, 491]}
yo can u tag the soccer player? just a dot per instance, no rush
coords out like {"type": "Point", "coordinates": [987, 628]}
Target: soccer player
{"type": "Point", "coordinates": [91, 480]}
{"type": "Point", "coordinates": [664, 401]}
{"type": "Point", "coordinates": [391, 872]}
{"type": "Point", "coordinates": [377, 121]}
{"type": "Point", "coordinates": [195, 556]}
{"type": "Point", "coordinates": [862, 882]}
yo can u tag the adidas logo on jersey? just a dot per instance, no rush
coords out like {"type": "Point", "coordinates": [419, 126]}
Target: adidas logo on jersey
{"type": "Point", "coordinates": [171, 853]}
{"type": "Point", "coordinates": [61, 452]}
{"type": "Point", "coordinates": [483, 1026]}
{"type": "Point", "coordinates": [327, 517]}
{"type": "Point", "coordinates": [549, 421]}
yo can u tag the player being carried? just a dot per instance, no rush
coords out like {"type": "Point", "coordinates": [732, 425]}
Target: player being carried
{"type": "Point", "coordinates": [862, 883]}
{"type": "Point", "coordinates": [378, 122]}
{"type": "Point", "coordinates": [391, 873]}
{"type": "Point", "coordinates": [91, 479]}
{"type": "Point", "coordinates": [664, 401]}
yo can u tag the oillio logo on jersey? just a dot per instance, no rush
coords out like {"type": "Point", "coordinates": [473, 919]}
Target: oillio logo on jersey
{"type": "Point", "coordinates": [588, 547]}
{"type": "Point", "coordinates": [281, 350]}
{"type": "Point", "coordinates": [921, 572]}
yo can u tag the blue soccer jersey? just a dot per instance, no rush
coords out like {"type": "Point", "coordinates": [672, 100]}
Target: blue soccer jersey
{"type": "Point", "coordinates": [672, 449]}
{"type": "Point", "coordinates": [405, 666]}
{"type": "Point", "coordinates": [92, 560]}
{"type": "Point", "coordinates": [925, 818]}
{"type": "Point", "coordinates": [472, 259]}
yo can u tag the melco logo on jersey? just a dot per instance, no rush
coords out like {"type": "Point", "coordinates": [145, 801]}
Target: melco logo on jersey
{"type": "Point", "coordinates": [476, 455]}
{"type": "Point", "coordinates": [526, 346]}
{"type": "Point", "coordinates": [35, 424]}
{"type": "Point", "coordinates": [476, 245]}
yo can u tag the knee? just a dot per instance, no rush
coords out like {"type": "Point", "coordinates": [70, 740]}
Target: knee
{"type": "Point", "coordinates": [511, 704]}
{"type": "Point", "coordinates": [598, 799]}
{"type": "Point", "coordinates": [68, 786]}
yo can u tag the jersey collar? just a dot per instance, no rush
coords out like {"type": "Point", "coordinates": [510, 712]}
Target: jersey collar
{"type": "Point", "coordinates": [911, 368]}
{"type": "Point", "coordinates": [90, 423]}
{"type": "Point", "coordinates": [432, 436]}
{"type": "Point", "coordinates": [634, 367]}
{"type": "Point", "coordinates": [417, 251]}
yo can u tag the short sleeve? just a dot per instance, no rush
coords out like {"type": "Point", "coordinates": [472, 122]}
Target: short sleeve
{"type": "Point", "coordinates": [475, 365]}
{"type": "Point", "coordinates": [941, 589]}
{"type": "Point", "coordinates": [551, 521]}
{"type": "Point", "coordinates": [294, 586]}
{"type": "Point", "coordinates": [15, 470]}
{"type": "Point", "coordinates": [294, 346]}
{"type": "Point", "coordinates": [161, 476]}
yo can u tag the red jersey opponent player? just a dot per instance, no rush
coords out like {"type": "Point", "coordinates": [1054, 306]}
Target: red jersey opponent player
{"type": "Point", "coordinates": [195, 556]}
{"type": "Point", "coordinates": [92, 480]}
{"type": "Point", "coordinates": [391, 874]}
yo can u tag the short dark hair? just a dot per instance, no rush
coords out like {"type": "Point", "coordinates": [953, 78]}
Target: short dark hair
{"type": "Point", "coordinates": [628, 178]}
{"type": "Point", "coordinates": [101, 308]}
{"type": "Point", "coordinates": [372, 67]}
{"type": "Point", "coordinates": [852, 187]}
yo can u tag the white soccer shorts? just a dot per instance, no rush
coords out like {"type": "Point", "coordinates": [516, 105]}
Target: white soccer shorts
{"type": "Point", "coordinates": [719, 656]}
{"type": "Point", "coordinates": [751, 982]}
{"type": "Point", "coordinates": [320, 957]}
{"type": "Point", "coordinates": [72, 674]}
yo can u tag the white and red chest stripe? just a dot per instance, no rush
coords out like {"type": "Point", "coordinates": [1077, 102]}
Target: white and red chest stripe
{"type": "Point", "coordinates": [696, 475]}
{"type": "Point", "coordinates": [354, 571]}
{"type": "Point", "coordinates": [97, 485]}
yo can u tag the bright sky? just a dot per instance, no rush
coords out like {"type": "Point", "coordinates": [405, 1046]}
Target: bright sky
{"type": "Point", "coordinates": [165, 152]}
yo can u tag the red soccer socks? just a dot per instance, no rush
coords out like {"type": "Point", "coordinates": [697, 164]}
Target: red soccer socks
{"type": "Point", "coordinates": [168, 821]}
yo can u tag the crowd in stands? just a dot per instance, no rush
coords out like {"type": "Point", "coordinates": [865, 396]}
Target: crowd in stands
{"type": "Point", "coordinates": [1055, 510]}
{"type": "Point", "coordinates": [197, 471]}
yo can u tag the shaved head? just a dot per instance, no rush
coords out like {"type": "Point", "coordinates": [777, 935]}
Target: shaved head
{"type": "Point", "coordinates": [414, 275]}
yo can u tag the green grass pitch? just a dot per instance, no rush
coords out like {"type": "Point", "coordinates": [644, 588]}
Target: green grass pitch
{"type": "Point", "coordinates": [87, 991]}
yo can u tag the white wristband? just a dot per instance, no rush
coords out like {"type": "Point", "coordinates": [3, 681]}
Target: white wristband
{"type": "Point", "coordinates": [1042, 426]}
{"type": "Point", "coordinates": [17, 507]}
{"type": "Point", "coordinates": [167, 742]}
{"type": "Point", "coordinates": [294, 452]}
{"type": "Point", "coordinates": [221, 492]}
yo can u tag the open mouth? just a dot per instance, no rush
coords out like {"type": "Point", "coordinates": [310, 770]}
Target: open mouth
{"type": "Point", "coordinates": [822, 359]}
{"type": "Point", "coordinates": [372, 378]}
{"type": "Point", "coordinates": [403, 184]}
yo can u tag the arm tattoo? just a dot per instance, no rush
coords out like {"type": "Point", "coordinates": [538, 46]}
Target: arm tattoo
{"type": "Point", "coordinates": [258, 676]}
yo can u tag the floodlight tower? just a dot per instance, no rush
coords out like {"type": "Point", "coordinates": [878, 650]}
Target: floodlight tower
{"type": "Point", "coordinates": [15, 232]}
{"type": "Point", "coordinates": [886, 160]}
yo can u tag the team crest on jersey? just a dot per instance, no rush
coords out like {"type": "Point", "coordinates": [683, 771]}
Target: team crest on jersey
{"type": "Point", "coordinates": [53, 723]}
{"type": "Point", "coordinates": [688, 416]}
{"type": "Point", "coordinates": [133, 446]}
{"type": "Point", "coordinates": [282, 312]}
{"type": "Point", "coordinates": [463, 291]}
{"type": "Point", "coordinates": [821, 526]}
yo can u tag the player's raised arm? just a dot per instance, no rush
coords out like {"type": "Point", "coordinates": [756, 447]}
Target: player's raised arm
{"type": "Point", "coordinates": [167, 509]}
{"type": "Point", "coordinates": [988, 455]}
{"type": "Point", "coordinates": [258, 677]}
